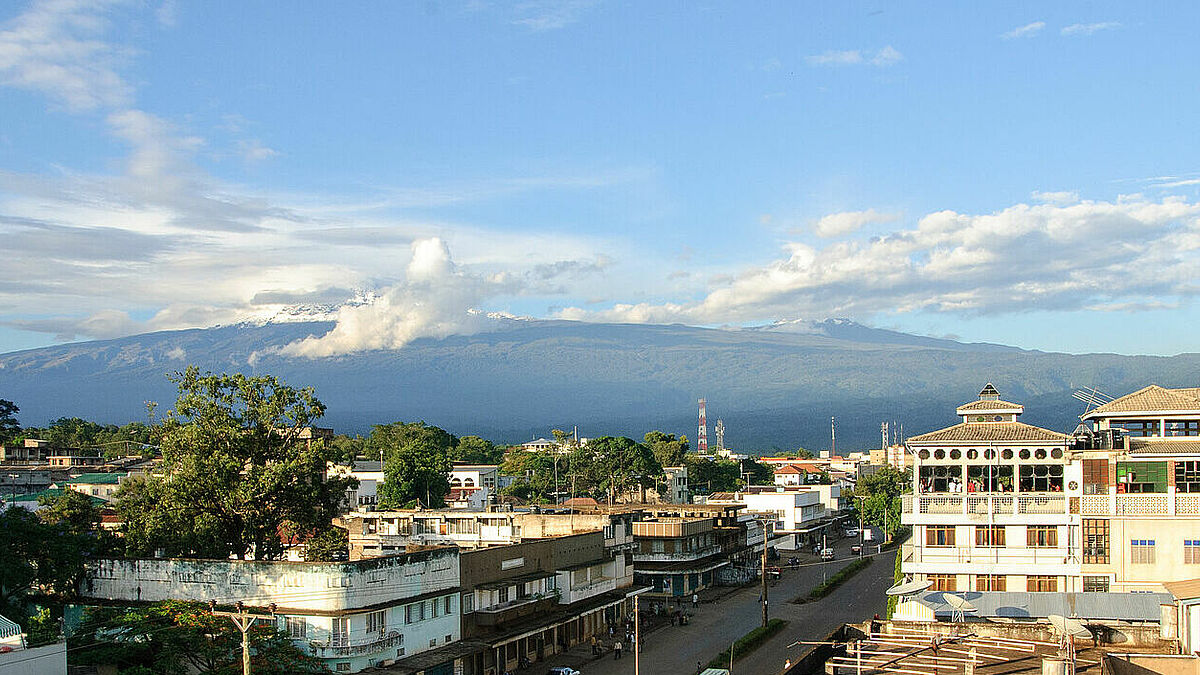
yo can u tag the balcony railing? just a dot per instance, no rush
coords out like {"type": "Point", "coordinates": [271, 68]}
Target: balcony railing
{"type": "Point", "coordinates": [1151, 504]}
{"type": "Point", "coordinates": [1005, 504]}
{"type": "Point", "coordinates": [389, 640]}
{"type": "Point", "coordinates": [985, 556]}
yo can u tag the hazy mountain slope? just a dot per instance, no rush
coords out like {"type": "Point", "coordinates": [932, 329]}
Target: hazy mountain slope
{"type": "Point", "coordinates": [774, 387]}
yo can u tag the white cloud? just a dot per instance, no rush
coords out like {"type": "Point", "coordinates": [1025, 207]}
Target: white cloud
{"type": "Point", "coordinates": [1027, 31]}
{"type": "Point", "coordinates": [544, 15]}
{"type": "Point", "coordinates": [55, 48]}
{"type": "Point", "coordinates": [1062, 197]}
{"type": "Point", "coordinates": [254, 151]}
{"type": "Point", "coordinates": [884, 57]}
{"type": "Point", "coordinates": [837, 224]}
{"type": "Point", "coordinates": [435, 299]}
{"type": "Point", "coordinates": [1025, 257]}
{"type": "Point", "coordinates": [1089, 28]}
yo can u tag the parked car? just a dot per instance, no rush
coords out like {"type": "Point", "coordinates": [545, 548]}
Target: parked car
{"type": "Point", "coordinates": [563, 670]}
{"type": "Point", "coordinates": [827, 554]}
{"type": "Point", "coordinates": [856, 549]}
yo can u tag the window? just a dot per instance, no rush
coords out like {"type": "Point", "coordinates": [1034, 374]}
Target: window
{"type": "Point", "coordinates": [434, 607]}
{"type": "Point", "coordinates": [1095, 584]}
{"type": "Point", "coordinates": [940, 478]}
{"type": "Point", "coordinates": [1191, 551]}
{"type": "Point", "coordinates": [942, 582]}
{"type": "Point", "coordinates": [989, 478]}
{"type": "Point", "coordinates": [377, 622]}
{"type": "Point", "coordinates": [1182, 428]}
{"type": "Point", "coordinates": [1095, 541]}
{"type": "Point", "coordinates": [1138, 477]}
{"type": "Point", "coordinates": [433, 642]}
{"type": "Point", "coordinates": [468, 603]}
{"type": "Point", "coordinates": [448, 604]}
{"type": "Point", "coordinates": [656, 546]}
{"type": "Point", "coordinates": [1136, 427]}
{"type": "Point", "coordinates": [343, 666]}
{"type": "Point", "coordinates": [1141, 551]}
{"type": "Point", "coordinates": [939, 535]}
{"type": "Point", "coordinates": [296, 627]}
{"type": "Point", "coordinates": [1041, 477]}
{"type": "Point", "coordinates": [1187, 476]}
{"type": "Point", "coordinates": [449, 639]}
{"type": "Point", "coordinates": [1041, 583]}
{"type": "Point", "coordinates": [1041, 536]}
{"type": "Point", "coordinates": [990, 582]}
{"type": "Point", "coordinates": [341, 632]}
{"type": "Point", "coordinates": [990, 536]}
{"type": "Point", "coordinates": [551, 583]}
{"type": "Point", "coordinates": [504, 594]}
{"type": "Point", "coordinates": [1095, 476]}
{"type": "Point", "coordinates": [410, 613]}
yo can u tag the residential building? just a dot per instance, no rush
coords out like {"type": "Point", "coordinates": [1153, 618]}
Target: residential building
{"type": "Point", "coordinates": [474, 476]}
{"type": "Point", "coordinates": [29, 451]}
{"type": "Point", "coordinates": [676, 556]}
{"type": "Point", "coordinates": [75, 459]}
{"type": "Point", "coordinates": [994, 504]}
{"type": "Point", "coordinates": [1140, 508]}
{"type": "Point", "coordinates": [540, 445]}
{"type": "Point", "coordinates": [351, 615]}
{"type": "Point", "coordinates": [370, 476]}
{"type": "Point", "coordinates": [799, 516]}
{"type": "Point", "coordinates": [675, 491]}
{"type": "Point", "coordinates": [101, 485]}
{"type": "Point", "coordinates": [540, 597]}
{"type": "Point", "coordinates": [33, 501]}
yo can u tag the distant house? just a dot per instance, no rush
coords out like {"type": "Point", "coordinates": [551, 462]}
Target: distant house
{"type": "Point", "coordinates": [31, 451]}
{"type": "Point", "coordinates": [102, 485]}
{"type": "Point", "coordinates": [540, 445]}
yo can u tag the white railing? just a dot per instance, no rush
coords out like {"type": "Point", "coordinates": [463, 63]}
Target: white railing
{"type": "Point", "coordinates": [1041, 504]}
{"type": "Point", "coordinates": [1142, 505]}
{"type": "Point", "coordinates": [1004, 504]}
{"type": "Point", "coordinates": [1095, 505]}
{"type": "Point", "coordinates": [980, 555]}
{"type": "Point", "coordinates": [1187, 504]}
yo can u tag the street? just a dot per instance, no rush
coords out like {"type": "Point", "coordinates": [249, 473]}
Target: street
{"type": "Point", "coordinates": [676, 650]}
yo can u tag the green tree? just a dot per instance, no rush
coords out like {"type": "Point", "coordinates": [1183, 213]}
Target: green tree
{"type": "Point", "coordinates": [804, 454]}
{"type": "Point", "coordinates": [416, 464]}
{"type": "Point", "coordinates": [234, 472]}
{"type": "Point", "coordinates": [706, 476]}
{"type": "Point", "coordinates": [535, 475]}
{"type": "Point", "coordinates": [760, 474]}
{"type": "Point", "coordinates": [476, 450]}
{"type": "Point", "coordinates": [877, 497]}
{"type": "Point", "coordinates": [175, 637]}
{"type": "Point", "coordinates": [329, 545]}
{"type": "Point", "coordinates": [609, 466]}
{"type": "Point", "coordinates": [8, 421]}
{"type": "Point", "coordinates": [667, 449]}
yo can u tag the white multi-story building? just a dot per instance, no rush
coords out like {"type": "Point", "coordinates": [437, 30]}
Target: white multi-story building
{"type": "Point", "coordinates": [351, 615]}
{"type": "Point", "coordinates": [677, 485]}
{"type": "Point", "coordinates": [995, 504]}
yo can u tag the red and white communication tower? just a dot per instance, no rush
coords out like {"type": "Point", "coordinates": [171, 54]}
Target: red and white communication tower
{"type": "Point", "coordinates": [702, 434]}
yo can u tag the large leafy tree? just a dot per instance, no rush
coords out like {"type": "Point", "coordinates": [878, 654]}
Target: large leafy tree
{"type": "Point", "coordinates": [877, 497]}
{"type": "Point", "coordinates": [235, 472]}
{"type": "Point", "coordinates": [476, 450]}
{"type": "Point", "coordinates": [706, 476]}
{"type": "Point", "coordinates": [535, 474]}
{"type": "Point", "coordinates": [610, 466]}
{"type": "Point", "coordinates": [667, 449]}
{"type": "Point", "coordinates": [177, 637]}
{"type": "Point", "coordinates": [8, 421]}
{"type": "Point", "coordinates": [416, 463]}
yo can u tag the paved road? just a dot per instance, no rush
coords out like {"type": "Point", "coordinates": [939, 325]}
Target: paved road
{"type": "Point", "coordinates": [675, 650]}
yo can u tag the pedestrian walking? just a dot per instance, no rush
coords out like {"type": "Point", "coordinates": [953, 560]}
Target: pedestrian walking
{"type": "Point", "coordinates": [695, 600]}
{"type": "Point", "coordinates": [617, 650]}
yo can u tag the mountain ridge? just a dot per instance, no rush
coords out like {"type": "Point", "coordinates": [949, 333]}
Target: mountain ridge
{"type": "Point", "coordinates": [775, 387]}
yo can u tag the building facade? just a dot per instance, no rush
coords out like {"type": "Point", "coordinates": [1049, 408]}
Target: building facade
{"type": "Point", "coordinates": [352, 615]}
{"type": "Point", "coordinates": [994, 504]}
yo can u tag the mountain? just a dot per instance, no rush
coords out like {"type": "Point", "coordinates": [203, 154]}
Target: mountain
{"type": "Point", "coordinates": [774, 386]}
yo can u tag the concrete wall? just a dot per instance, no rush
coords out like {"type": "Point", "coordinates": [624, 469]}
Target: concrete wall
{"type": "Point", "coordinates": [48, 660]}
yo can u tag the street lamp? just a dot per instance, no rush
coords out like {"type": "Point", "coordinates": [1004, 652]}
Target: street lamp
{"type": "Point", "coordinates": [862, 505]}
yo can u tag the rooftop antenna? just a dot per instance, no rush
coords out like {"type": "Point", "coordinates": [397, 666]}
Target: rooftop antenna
{"type": "Point", "coordinates": [832, 436]}
{"type": "Point", "coordinates": [883, 431]}
{"type": "Point", "coordinates": [720, 429]}
{"type": "Point", "coordinates": [1092, 397]}
{"type": "Point", "coordinates": [702, 434]}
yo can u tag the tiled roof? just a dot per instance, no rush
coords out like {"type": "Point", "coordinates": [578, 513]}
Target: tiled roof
{"type": "Point", "coordinates": [790, 468]}
{"type": "Point", "coordinates": [990, 405]}
{"type": "Point", "coordinates": [1161, 446]}
{"type": "Point", "coordinates": [989, 431]}
{"type": "Point", "coordinates": [1183, 590]}
{"type": "Point", "coordinates": [1152, 398]}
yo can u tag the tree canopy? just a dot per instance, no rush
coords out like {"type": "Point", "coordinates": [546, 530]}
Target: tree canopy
{"type": "Point", "coordinates": [609, 466]}
{"type": "Point", "coordinates": [476, 450]}
{"type": "Point", "coordinates": [235, 472]}
{"type": "Point", "coordinates": [416, 463]}
{"type": "Point", "coordinates": [881, 491]}
{"type": "Point", "coordinates": [667, 449]}
{"type": "Point", "coordinates": [8, 421]}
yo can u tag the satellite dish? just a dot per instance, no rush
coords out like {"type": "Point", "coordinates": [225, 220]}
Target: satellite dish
{"type": "Point", "coordinates": [909, 587]}
{"type": "Point", "coordinates": [958, 603]}
{"type": "Point", "coordinates": [1068, 626]}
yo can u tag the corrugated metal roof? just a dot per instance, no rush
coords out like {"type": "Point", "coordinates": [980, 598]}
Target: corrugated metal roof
{"type": "Point", "coordinates": [1025, 605]}
{"type": "Point", "coordinates": [1184, 590]}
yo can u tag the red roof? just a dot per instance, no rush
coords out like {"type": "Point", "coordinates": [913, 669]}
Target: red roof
{"type": "Point", "coordinates": [790, 468]}
{"type": "Point", "coordinates": [581, 501]}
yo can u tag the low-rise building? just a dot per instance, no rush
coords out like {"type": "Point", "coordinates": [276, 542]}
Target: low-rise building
{"type": "Point", "coordinates": [101, 485]}
{"type": "Point", "coordinates": [28, 451]}
{"type": "Point", "coordinates": [75, 460]}
{"type": "Point", "coordinates": [799, 516]}
{"type": "Point", "coordinates": [676, 556]}
{"type": "Point", "coordinates": [676, 489]}
{"type": "Point", "coordinates": [351, 615]}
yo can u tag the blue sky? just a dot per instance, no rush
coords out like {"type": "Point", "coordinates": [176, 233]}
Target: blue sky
{"type": "Point", "coordinates": [1023, 173]}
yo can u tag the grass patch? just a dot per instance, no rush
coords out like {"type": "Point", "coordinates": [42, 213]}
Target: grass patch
{"type": "Point", "coordinates": [840, 577]}
{"type": "Point", "coordinates": [748, 643]}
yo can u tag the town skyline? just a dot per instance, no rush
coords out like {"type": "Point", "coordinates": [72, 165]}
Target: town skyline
{"type": "Point", "coordinates": [1016, 174]}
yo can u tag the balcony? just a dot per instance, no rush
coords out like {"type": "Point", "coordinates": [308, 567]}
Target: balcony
{"type": "Point", "coordinates": [981, 504]}
{"type": "Point", "coordinates": [589, 589]}
{"type": "Point", "coordinates": [979, 560]}
{"type": "Point", "coordinates": [387, 641]}
{"type": "Point", "coordinates": [1150, 504]}
{"type": "Point", "coordinates": [680, 556]}
{"type": "Point", "coordinates": [514, 609]}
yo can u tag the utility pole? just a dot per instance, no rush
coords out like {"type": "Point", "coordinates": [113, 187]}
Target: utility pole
{"type": "Point", "coordinates": [764, 580]}
{"type": "Point", "coordinates": [243, 620]}
{"type": "Point", "coordinates": [637, 638]}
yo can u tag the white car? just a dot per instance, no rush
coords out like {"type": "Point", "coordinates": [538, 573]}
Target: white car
{"type": "Point", "coordinates": [563, 670]}
{"type": "Point", "coordinates": [826, 554]}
